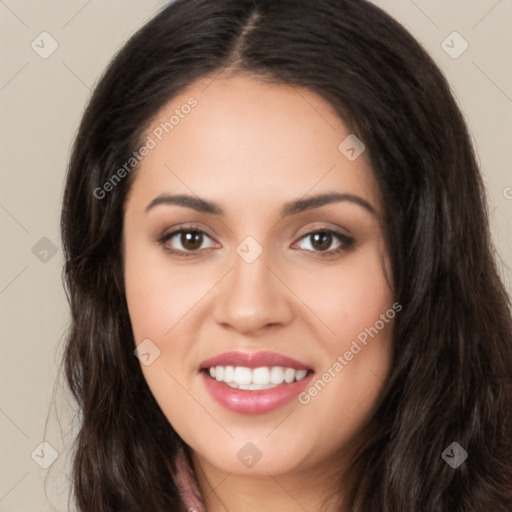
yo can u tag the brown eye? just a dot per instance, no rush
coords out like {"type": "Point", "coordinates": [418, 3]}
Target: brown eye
{"type": "Point", "coordinates": [321, 240]}
{"type": "Point", "coordinates": [191, 240]}
{"type": "Point", "coordinates": [185, 241]}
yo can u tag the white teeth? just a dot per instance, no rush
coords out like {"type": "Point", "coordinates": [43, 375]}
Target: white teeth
{"type": "Point", "coordinates": [251, 387]}
{"type": "Point", "coordinates": [300, 374]}
{"type": "Point", "coordinates": [260, 375]}
{"type": "Point", "coordinates": [277, 375]}
{"type": "Point", "coordinates": [289, 375]}
{"type": "Point", "coordinates": [229, 374]}
{"type": "Point", "coordinates": [242, 375]}
{"type": "Point", "coordinates": [263, 377]}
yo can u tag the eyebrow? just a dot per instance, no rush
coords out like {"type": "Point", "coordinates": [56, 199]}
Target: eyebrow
{"type": "Point", "coordinates": [290, 208]}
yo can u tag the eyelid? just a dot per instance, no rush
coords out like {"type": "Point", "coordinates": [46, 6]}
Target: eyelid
{"type": "Point", "coordinates": [192, 226]}
{"type": "Point", "coordinates": [172, 232]}
{"type": "Point", "coordinates": [346, 241]}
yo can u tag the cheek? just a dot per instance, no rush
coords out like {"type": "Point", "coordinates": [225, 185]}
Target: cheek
{"type": "Point", "coordinates": [348, 298]}
{"type": "Point", "coordinates": [159, 299]}
{"type": "Point", "coordinates": [159, 295]}
{"type": "Point", "coordinates": [164, 302]}
{"type": "Point", "coordinates": [355, 306]}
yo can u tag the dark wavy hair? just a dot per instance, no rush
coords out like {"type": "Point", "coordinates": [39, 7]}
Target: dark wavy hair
{"type": "Point", "coordinates": [450, 380]}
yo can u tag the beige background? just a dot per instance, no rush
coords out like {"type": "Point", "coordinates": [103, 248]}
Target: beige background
{"type": "Point", "coordinates": [41, 101]}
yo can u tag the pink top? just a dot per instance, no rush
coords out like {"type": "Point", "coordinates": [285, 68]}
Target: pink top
{"type": "Point", "coordinates": [187, 484]}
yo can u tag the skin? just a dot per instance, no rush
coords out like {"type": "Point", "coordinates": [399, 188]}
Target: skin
{"type": "Point", "coordinates": [251, 146]}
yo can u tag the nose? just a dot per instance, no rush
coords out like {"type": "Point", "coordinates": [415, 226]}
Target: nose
{"type": "Point", "coordinates": [252, 297]}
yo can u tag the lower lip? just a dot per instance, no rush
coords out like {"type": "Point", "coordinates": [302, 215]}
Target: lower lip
{"type": "Point", "coordinates": [254, 402]}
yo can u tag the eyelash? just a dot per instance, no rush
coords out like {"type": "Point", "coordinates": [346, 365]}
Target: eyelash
{"type": "Point", "coordinates": [346, 241]}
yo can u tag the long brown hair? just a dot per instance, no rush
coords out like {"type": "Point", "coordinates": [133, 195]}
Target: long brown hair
{"type": "Point", "coordinates": [451, 374]}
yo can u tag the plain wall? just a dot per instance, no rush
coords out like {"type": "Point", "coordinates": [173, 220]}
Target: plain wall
{"type": "Point", "coordinates": [41, 102]}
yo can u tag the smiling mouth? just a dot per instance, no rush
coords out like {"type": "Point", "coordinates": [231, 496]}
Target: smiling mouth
{"type": "Point", "coordinates": [254, 383]}
{"type": "Point", "coordinates": [255, 379]}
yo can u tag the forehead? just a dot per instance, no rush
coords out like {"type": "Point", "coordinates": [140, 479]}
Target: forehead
{"type": "Point", "coordinates": [246, 142]}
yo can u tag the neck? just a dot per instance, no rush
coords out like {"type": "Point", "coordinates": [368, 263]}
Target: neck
{"type": "Point", "coordinates": [313, 490]}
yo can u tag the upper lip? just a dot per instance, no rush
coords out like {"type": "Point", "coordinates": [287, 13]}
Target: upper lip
{"type": "Point", "coordinates": [253, 360]}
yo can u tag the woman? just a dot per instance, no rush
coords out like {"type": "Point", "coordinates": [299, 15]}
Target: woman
{"type": "Point", "coordinates": [280, 272]}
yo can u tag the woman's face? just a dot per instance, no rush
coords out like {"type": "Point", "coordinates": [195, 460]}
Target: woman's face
{"type": "Point", "coordinates": [261, 268]}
